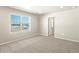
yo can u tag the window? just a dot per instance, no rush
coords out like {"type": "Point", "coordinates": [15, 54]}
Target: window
{"type": "Point", "coordinates": [25, 23]}
{"type": "Point", "coordinates": [20, 23]}
{"type": "Point", "coordinates": [15, 23]}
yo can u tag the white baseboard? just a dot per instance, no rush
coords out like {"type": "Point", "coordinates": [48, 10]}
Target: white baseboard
{"type": "Point", "coordinates": [43, 35]}
{"type": "Point", "coordinates": [68, 39]}
{"type": "Point", "coordinates": [18, 39]}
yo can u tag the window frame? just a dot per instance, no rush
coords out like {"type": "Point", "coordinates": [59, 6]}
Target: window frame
{"type": "Point", "coordinates": [29, 30]}
{"type": "Point", "coordinates": [29, 23]}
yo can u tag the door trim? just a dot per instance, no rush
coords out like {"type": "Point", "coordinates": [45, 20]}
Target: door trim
{"type": "Point", "coordinates": [53, 24]}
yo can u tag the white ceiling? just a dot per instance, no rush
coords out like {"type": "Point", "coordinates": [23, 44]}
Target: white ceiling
{"type": "Point", "coordinates": [43, 9]}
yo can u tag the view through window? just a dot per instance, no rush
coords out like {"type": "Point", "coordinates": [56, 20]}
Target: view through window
{"type": "Point", "coordinates": [20, 23]}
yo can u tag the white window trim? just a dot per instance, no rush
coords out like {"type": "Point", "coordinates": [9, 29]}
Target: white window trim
{"type": "Point", "coordinates": [29, 30]}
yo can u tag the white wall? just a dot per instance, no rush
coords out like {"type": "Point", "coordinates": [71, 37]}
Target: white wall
{"type": "Point", "coordinates": [66, 24]}
{"type": "Point", "coordinates": [5, 35]}
{"type": "Point", "coordinates": [44, 25]}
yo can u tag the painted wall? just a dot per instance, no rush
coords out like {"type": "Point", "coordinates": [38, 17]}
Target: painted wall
{"type": "Point", "coordinates": [66, 24]}
{"type": "Point", "coordinates": [5, 35]}
{"type": "Point", "coordinates": [44, 25]}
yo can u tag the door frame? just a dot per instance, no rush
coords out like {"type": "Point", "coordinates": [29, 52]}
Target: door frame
{"type": "Point", "coordinates": [53, 24]}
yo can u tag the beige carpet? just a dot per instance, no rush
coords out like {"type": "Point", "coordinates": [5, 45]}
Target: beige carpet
{"type": "Point", "coordinates": [41, 44]}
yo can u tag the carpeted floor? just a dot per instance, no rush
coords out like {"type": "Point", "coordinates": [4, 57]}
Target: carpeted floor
{"type": "Point", "coordinates": [41, 44]}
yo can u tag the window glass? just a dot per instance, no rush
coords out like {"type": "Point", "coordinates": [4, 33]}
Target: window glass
{"type": "Point", "coordinates": [15, 23]}
{"type": "Point", "coordinates": [20, 23]}
{"type": "Point", "coordinates": [25, 23]}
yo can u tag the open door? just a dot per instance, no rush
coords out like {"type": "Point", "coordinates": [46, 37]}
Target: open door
{"type": "Point", "coordinates": [50, 26]}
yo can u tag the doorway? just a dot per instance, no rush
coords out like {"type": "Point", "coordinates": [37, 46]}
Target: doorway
{"type": "Point", "coordinates": [50, 26]}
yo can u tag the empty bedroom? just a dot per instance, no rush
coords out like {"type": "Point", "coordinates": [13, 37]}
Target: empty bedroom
{"type": "Point", "coordinates": [39, 29]}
